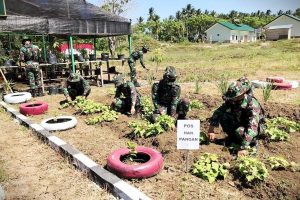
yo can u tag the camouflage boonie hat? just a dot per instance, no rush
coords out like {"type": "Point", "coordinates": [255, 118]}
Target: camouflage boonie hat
{"type": "Point", "coordinates": [170, 73]}
{"type": "Point", "coordinates": [237, 89]}
{"type": "Point", "coordinates": [118, 80]}
{"type": "Point", "coordinates": [73, 77]}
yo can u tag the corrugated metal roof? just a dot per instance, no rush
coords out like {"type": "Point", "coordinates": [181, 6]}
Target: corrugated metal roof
{"type": "Point", "coordinates": [239, 27]}
{"type": "Point", "coordinates": [281, 27]}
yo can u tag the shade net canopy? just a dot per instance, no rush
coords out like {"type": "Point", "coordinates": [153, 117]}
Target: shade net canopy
{"type": "Point", "coordinates": [61, 17]}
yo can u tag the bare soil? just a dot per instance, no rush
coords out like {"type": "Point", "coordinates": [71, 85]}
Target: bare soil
{"type": "Point", "coordinates": [173, 182]}
{"type": "Point", "coordinates": [34, 171]}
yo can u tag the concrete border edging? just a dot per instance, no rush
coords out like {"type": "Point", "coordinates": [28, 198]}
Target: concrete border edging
{"type": "Point", "coordinates": [91, 169]}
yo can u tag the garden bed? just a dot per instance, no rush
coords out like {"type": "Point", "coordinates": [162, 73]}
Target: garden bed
{"type": "Point", "coordinates": [98, 141]}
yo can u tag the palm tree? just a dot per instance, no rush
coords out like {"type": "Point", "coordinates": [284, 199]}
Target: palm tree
{"type": "Point", "coordinates": [288, 12]}
{"type": "Point", "coordinates": [198, 12]}
{"type": "Point", "coordinates": [268, 12]}
{"type": "Point", "coordinates": [297, 12]}
{"type": "Point", "coordinates": [280, 12]}
{"type": "Point", "coordinates": [151, 13]}
{"type": "Point", "coordinates": [140, 20]}
{"type": "Point", "coordinates": [178, 15]}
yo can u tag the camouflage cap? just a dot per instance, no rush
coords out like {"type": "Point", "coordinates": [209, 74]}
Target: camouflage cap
{"type": "Point", "coordinates": [170, 73]}
{"type": "Point", "coordinates": [73, 77]}
{"type": "Point", "coordinates": [237, 89]}
{"type": "Point", "coordinates": [118, 80]}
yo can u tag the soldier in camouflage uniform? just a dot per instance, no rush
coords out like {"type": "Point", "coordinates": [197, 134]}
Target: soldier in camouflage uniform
{"type": "Point", "coordinates": [29, 54]}
{"type": "Point", "coordinates": [241, 116]}
{"type": "Point", "coordinates": [127, 98]}
{"type": "Point", "coordinates": [76, 85]}
{"type": "Point", "coordinates": [166, 94]}
{"type": "Point", "coordinates": [137, 55]}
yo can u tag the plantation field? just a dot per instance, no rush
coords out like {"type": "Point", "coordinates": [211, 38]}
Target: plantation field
{"type": "Point", "coordinates": [206, 63]}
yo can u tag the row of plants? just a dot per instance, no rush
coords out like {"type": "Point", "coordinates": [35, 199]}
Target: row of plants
{"type": "Point", "coordinates": [249, 169]}
{"type": "Point", "coordinates": [144, 128]}
{"type": "Point", "coordinates": [279, 129]}
{"type": "Point", "coordinates": [88, 107]}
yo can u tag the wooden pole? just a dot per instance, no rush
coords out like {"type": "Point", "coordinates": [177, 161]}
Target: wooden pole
{"type": "Point", "coordinates": [5, 80]}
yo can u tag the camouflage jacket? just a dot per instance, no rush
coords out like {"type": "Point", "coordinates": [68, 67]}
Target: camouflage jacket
{"type": "Point", "coordinates": [137, 55]}
{"type": "Point", "coordinates": [164, 94]}
{"type": "Point", "coordinates": [82, 85]}
{"type": "Point", "coordinates": [129, 91]}
{"type": "Point", "coordinates": [29, 54]}
{"type": "Point", "coordinates": [248, 114]}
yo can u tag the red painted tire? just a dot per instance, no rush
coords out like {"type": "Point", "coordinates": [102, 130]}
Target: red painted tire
{"type": "Point", "coordinates": [35, 108]}
{"type": "Point", "coordinates": [275, 79]}
{"type": "Point", "coordinates": [282, 86]}
{"type": "Point", "coordinates": [143, 170]}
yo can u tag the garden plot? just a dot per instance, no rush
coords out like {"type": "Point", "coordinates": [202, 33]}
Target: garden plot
{"type": "Point", "coordinates": [98, 141]}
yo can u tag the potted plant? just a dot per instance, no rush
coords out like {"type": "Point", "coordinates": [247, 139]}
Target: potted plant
{"type": "Point", "coordinates": [104, 56]}
{"type": "Point", "coordinates": [120, 54]}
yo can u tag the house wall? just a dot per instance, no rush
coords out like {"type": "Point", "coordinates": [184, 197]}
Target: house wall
{"type": "Point", "coordinates": [285, 20]}
{"type": "Point", "coordinates": [218, 33]}
{"type": "Point", "coordinates": [275, 34]}
{"type": "Point", "coordinates": [242, 36]}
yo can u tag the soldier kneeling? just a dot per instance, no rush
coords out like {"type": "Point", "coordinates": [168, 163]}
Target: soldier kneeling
{"type": "Point", "coordinates": [76, 85]}
{"type": "Point", "coordinates": [165, 97]}
{"type": "Point", "coordinates": [127, 98]}
{"type": "Point", "coordinates": [241, 116]}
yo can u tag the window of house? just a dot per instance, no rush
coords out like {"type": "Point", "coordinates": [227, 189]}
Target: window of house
{"type": "Point", "coordinates": [218, 34]}
{"type": "Point", "coordinates": [242, 37]}
{"type": "Point", "coordinates": [232, 37]}
{"type": "Point", "coordinates": [236, 38]}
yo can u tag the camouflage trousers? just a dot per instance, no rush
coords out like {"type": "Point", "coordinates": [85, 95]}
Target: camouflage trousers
{"type": "Point", "coordinates": [236, 130]}
{"type": "Point", "coordinates": [73, 93]}
{"type": "Point", "coordinates": [182, 109]}
{"type": "Point", "coordinates": [123, 105]}
{"type": "Point", "coordinates": [33, 75]}
{"type": "Point", "coordinates": [132, 68]}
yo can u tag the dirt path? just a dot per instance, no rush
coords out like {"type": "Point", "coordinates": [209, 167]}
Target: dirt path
{"type": "Point", "coordinates": [34, 171]}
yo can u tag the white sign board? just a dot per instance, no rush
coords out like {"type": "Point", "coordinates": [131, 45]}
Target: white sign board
{"type": "Point", "coordinates": [188, 132]}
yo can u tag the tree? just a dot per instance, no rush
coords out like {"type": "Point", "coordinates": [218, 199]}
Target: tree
{"type": "Point", "coordinates": [280, 12]}
{"type": "Point", "coordinates": [268, 12]}
{"type": "Point", "coordinates": [151, 14]}
{"type": "Point", "coordinates": [297, 12]}
{"type": "Point", "coordinates": [140, 20]}
{"type": "Point", "coordinates": [116, 7]}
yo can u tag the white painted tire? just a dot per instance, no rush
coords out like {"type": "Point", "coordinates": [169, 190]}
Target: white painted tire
{"type": "Point", "coordinates": [295, 84]}
{"type": "Point", "coordinates": [18, 97]}
{"type": "Point", "coordinates": [259, 84]}
{"type": "Point", "coordinates": [59, 123]}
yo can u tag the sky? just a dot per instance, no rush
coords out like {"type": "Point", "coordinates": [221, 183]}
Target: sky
{"type": "Point", "coordinates": [165, 8]}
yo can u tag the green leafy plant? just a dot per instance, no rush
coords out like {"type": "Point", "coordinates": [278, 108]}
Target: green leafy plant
{"type": "Point", "coordinates": [132, 150]}
{"type": "Point", "coordinates": [209, 168]}
{"type": "Point", "coordinates": [223, 83]}
{"type": "Point", "coordinates": [267, 90]}
{"type": "Point", "coordinates": [105, 116]}
{"type": "Point", "coordinates": [147, 129]}
{"type": "Point", "coordinates": [196, 104]}
{"type": "Point", "coordinates": [197, 86]}
{"type": "Point", "coordinates": [278, 129]}
{"type": "Point", "coordinates": [277, 163]}
{"type": "Point", "coordinates": [252, 170]}
{"type": "Point", "coordinates": [147, 107]}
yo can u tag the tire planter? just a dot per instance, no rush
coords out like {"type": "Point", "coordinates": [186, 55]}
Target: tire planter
{"type": "Point", "coordinates": [259, 84]}
{"type": "Point", "coordinates": [35, 108]}
{"type": "Point", "coordinates": [276, 79]}
{"type": "Point", "coordinates": [18, 97]}
{"type": "Point", "coordinates": [295, 84]}
{"type": "Point", "coordinates": [282, 86]}
{"type": "Point", "coordinates": [59, 123]}
{"type": "Point", "coordinates": [143, 170]}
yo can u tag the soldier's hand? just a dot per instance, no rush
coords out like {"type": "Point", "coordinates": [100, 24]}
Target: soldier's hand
{"type": "Point", "coordinates": [68, 98]}
{"type": "Point", "coordinates": [132, 110]}
{"type": "Point", "coordinates": [211, 136]}
{"type": "Point", "coordinates": [242, 153]}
